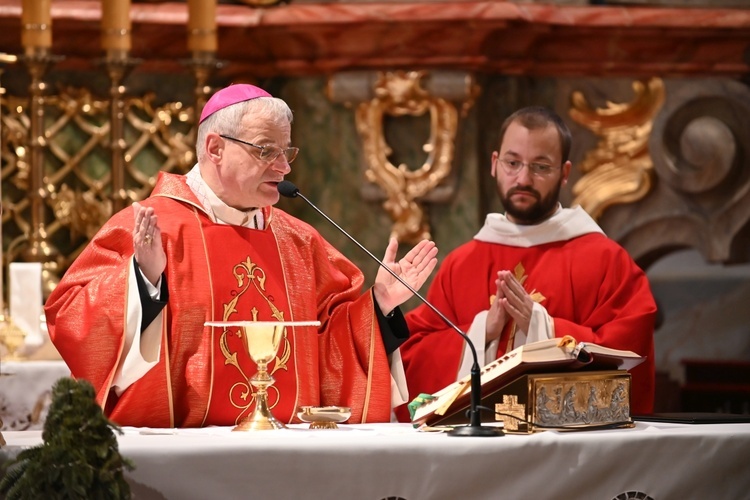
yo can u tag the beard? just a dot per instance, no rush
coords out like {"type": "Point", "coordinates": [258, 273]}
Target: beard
{"type": "Point", "coordinates": [534, 213]}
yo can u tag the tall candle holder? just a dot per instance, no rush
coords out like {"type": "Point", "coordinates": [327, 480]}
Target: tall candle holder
{"type": "Point", "coordinates": [119, 64]}
{"type": "Point", "coordinates": [202, 42]}
{"type": "Point", "coordinates": [203, 65]}
{"type": "Point", "coordinates": [116, 42]}
{"type": "Point", "coordinates": [39, 249]}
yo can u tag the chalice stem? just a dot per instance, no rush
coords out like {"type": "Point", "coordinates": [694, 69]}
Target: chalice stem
{"type": "Point", "coordinates": [261, 419]}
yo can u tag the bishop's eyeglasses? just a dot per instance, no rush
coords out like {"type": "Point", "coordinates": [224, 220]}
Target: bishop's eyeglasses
{"type": "Point", "coordinates": [514, 167]}
{"type": "Point", "coordinates": [268, 152]}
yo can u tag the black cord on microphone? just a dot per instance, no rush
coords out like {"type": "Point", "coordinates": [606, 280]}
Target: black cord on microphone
{"type": "Point", "coordinates": [475, 427]}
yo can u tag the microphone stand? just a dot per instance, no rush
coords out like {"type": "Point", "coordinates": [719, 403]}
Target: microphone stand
{"type": "Point", "coordinates": [475, 427]}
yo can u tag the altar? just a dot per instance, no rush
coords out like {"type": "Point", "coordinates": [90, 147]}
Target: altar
{"type": "Point", "coordinates": [659, 461]}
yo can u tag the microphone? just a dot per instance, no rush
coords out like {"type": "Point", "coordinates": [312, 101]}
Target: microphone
{"type": "Point", "coordinates": [475, 427]}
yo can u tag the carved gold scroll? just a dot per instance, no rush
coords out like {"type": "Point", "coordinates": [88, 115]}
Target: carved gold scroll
{"type": "Point", "coordinates": [620, 169]}
{"type": "Point", "coordinates": [399, 94]}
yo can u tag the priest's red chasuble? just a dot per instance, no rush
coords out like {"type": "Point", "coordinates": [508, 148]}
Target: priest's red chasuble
{"type": "Point", "coordinates": [219, 272]}
{"type": "Point", "coordinates": [589, 285]}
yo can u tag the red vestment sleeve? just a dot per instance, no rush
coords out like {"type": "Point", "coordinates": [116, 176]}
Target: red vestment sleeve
{"type": "Point", "coordinates": [352, 363]}
{"type": "Point", "coordinates": [88, 305]}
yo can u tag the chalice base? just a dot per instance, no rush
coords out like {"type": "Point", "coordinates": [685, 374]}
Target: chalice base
{"type": "Point", "coordinates": [259, 421]}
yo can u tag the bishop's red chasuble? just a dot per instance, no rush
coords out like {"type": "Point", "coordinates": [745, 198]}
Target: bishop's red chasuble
{"type": "Point", "coordinates": [589, 285]}
{"type": "Point", "coordinates": [217, 272]}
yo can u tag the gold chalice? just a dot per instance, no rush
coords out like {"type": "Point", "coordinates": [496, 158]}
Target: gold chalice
{"type": "Point", "coordinates": [261, 339]}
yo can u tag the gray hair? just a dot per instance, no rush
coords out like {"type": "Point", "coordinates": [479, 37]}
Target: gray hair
{"type": "Point", "coordinates": [228, 121]}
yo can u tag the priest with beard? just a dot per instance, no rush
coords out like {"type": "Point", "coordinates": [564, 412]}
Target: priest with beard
{"type": "Point", "coordinates": [536, 272]}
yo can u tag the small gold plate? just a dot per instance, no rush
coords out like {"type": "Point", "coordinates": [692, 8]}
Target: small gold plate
{"type": "Point", "coordinates": [324, 417]}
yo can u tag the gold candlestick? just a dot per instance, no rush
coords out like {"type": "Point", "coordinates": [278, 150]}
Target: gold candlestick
{"type": "Point", "coordinates": [39, 248]}
{"type": "Point", "coordinates": [203, 65]}
{"type": "Point", "coordinates": [119, 65]}
{"type": "Point", "coordinates": [116, 28]}
{"type": "Point", "coordinates": [36, 38]}
{"type": "Point", "coordinates": [202, 45]}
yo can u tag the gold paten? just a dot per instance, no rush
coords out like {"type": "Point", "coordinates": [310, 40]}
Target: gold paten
{"type": "Point", "coordinates": [401, 94]}
{"type": "Point", "coordinates": [620, 169]}
{"type": "Point", "coordinates": [567, 401]}
{"type": "Point", "coordinates": [324, 417]}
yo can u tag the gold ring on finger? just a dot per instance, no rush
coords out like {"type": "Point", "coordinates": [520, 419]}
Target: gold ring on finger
{"type": "Point", "coordinates": [147, 239]}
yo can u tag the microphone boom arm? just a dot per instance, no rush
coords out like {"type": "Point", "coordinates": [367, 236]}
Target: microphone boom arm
{"type": "Point", "coordinates": [393, 273]}
{"type": "Point", "coordinates": [475, 428]}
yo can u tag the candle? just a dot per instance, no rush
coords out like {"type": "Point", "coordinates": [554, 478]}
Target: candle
{"type": "Point", "coordinates": [36, 24]}
{"type": "Point", "coordinates": [116, 25]}
{"type": "Point", "coordinates": [202, 25]}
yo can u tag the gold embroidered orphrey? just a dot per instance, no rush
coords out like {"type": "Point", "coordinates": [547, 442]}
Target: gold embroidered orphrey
{"type": "Point", "coordinates": [520, 273]}
{"type": "Point", "coordinates": [249, 274]}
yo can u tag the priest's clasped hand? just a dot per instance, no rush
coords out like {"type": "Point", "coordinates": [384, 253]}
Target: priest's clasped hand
{"type": "Point", "coordinates": [414, 268]}
{"type": "Point", "coordinates": [512, 302]}
{"type": "Point", "coordinates": [147, 246]}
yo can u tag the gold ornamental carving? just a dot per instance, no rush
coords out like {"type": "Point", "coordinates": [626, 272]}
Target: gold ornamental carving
{"type": "Point", "coordinates": [402, 94]}
{"type": "Point", "coordinates": [620, 168]}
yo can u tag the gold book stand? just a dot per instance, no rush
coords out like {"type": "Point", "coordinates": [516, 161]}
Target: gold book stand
{"type": "Point", "coordinates": [561, 401]}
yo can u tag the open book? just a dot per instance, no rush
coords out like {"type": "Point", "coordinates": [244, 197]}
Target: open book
{"type": "Point", "coordinates": [546, 356]}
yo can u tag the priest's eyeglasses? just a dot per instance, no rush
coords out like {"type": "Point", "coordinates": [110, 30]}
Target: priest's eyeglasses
{"type": "Point", "coordinates": [514, 167]}
{"type": "Point", "coordinates": [268, 152]}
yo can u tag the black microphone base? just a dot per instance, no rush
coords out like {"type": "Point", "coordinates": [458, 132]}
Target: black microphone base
{"type": "Point", "coordinates": [477, 430]}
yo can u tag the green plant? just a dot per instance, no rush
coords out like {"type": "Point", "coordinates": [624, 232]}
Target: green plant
{"type": "Point", "coordinates": [79, 457]}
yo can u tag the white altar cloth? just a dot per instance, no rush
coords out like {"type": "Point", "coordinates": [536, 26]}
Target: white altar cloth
{"type": "Point", "coordinates": [378, 461]}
